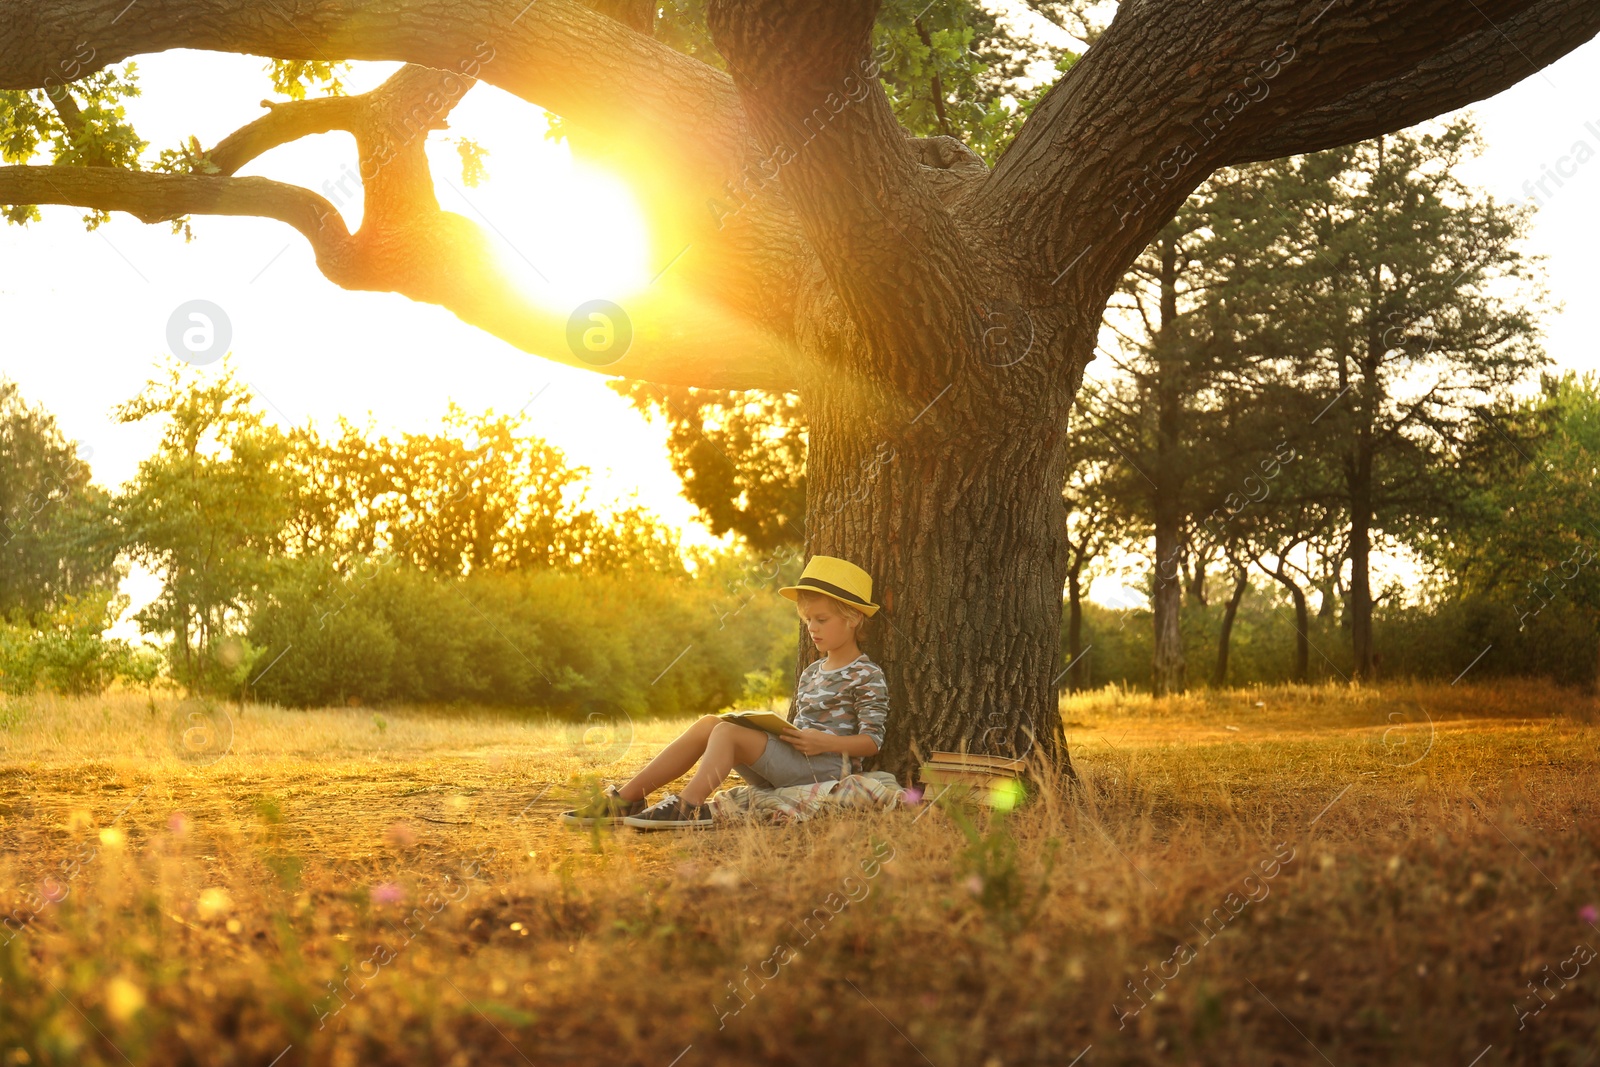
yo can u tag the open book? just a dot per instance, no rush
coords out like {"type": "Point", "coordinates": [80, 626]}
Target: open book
{"type": "Point", "coordinates": [769, 721]}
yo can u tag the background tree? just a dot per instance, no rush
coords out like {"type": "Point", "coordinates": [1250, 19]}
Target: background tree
{"type": "Point", "coordinates": [207, 513]}
{"type": "Point", "coordinates": [1406, 304]}
{"type": "Point", "coordinates": [741, 457]}
{"type": "Point", "coordinates": [55, 531]}
{"type": "Point", "coordinates": [891, 280]}
{"type": "Point", "coordinates": [1530, 536]}
{"type": "Point", "coordinates": [1172, 407]}
{"type": "Point", "coordinates": [482, 494]}
{"type": "Point", "coordinates": [1092, 528]}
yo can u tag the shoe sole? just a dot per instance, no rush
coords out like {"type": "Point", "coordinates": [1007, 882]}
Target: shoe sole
{"type": "Point", "coordinates": [579, 820]}
{"type": "Point", "coordinates": [675, 824]}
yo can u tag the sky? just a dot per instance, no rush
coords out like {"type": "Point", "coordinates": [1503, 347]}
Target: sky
{"type": "Point", "coordinates": [86, 314]}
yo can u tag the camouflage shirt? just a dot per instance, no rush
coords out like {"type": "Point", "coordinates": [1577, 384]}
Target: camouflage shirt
{"type": "Point", "coordinates": [854, 699]}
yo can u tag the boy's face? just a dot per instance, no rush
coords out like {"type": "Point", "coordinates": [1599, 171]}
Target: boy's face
{"type": "Point", "coordinates": [827, 625]}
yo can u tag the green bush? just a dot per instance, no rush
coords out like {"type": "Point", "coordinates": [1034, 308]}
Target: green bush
{"type": "Point", "coordinates": [553, 640]}
{"type": "Point", "coordinates": [320, 646]}
{"type": "Point", "coordinates": [1433, 641]}
{"type": "Point", "coordinates": [65, 650]}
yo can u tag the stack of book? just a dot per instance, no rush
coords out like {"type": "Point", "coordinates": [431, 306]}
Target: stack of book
{"type": "Point", "coordinates": [994, 780]}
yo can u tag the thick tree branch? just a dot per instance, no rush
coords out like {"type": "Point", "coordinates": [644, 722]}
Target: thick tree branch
{"type": "Point", "coordinates": [416, 99]}
{"type": "Point", "coordinates": [891, 249]}
{"type": "Point", "coordinates": [406, 244]}
{"type": "Point", "coordinates": [282, 124]}
{"type": "Point", "coordinates": [680, 338]}
{"type": "Point", "coordinates": [162, 197]}
{"type": "Point", "coordinates": [1487, 62]}
{"type": "Point", "coordinates": [1175, 89]}
{"type": "Point", "coordinates": [561, 55]}
{"type": "Point", "coordinates": [675, 125]}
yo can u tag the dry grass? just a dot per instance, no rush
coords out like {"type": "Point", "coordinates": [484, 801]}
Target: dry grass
{"type": "Point", "coordinates": [1444, 841]}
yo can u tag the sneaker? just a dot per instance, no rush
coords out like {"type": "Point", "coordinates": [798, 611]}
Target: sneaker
{"type": "Point", "coordinates": [670, 813]}
{"type": "Point", "coordinates": [609, 807]}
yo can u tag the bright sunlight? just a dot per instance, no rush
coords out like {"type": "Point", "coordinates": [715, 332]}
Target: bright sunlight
{"type": "Point", "coordinates": [573, 232]}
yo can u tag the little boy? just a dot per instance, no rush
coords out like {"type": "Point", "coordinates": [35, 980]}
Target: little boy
{"type": "Point", "coordinates": [840, 706]}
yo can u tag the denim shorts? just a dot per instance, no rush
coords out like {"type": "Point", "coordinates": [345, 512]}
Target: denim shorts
{"type": "Point", "coordinates": [781, 764]}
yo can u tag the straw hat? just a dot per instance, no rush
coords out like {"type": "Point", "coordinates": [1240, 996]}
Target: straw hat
{"type": "Point", "coordinates": [836, 578]}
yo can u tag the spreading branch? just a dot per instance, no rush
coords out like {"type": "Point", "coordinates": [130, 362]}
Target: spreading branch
{"type": "Point", "coordinates": [1175, 89]}
{"type": "Point", "coordinates": [1495, 58]}
{"type": "Point", "coordinates": [890, 248]}
{"type": "Point", "coordinates": [406, 243]}
{"type": "Point", "coordinates": [906, 233]}
{"type": "Point", "coordinates": [586, 66]}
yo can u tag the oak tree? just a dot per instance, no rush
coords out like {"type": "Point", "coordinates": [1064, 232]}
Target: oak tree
{"type": "Point", "coordinates": [910, 293]}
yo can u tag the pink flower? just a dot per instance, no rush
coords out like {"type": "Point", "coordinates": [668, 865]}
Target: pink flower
{"type": "Point", "coordinates": [1589, 914]}
{"type": "Point", "coordinates": [387, 893]}
{"type": "Point", "coordinates": [974, 884]}
{"type": "Point", "coordinates": [913, 797]}
{"type": "Point", "coordinates": [52, 890]}
{"type": "Point", "coordinates": [178, 823]}
{"type": "Point", "coordinates": [400, 835]}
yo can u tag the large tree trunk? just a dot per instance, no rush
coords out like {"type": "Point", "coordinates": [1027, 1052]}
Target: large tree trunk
{"type": "Point", "coordinates": [1166, 603]}
{"type": "Point", "coordinates": [1197, 583]}
{"type": "Point", "coordinates": [958, 520]}
{"type": "Point", "coordinates": [1302, 636]}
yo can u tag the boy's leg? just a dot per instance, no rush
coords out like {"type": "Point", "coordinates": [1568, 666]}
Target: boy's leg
{"type": "Point", "coordinates": [729, 743]}
{"type": "Point", "coordinates": [672, 761]}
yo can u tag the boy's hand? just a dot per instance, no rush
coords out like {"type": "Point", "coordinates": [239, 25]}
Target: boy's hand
{"type": "Point", "coordinates": [810, 742]}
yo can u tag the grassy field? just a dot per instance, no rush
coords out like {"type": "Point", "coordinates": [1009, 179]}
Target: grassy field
{"type": "Point", "coordinates": [1395, 875]}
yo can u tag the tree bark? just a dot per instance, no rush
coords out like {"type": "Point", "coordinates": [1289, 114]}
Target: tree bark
{"type": "Point", "coordinates": [1302, 620]}
{"type": "Point", "coordinates": [1197, 579]}
{"type": "Point", "coordinates": [965, 546]}
{"type": "Point", "coordinates": [1241, 582]}
{"type": "Point", "coordinates": [1075, 629]}
{"type": "Point", "coordinates": [1360, 594]}
{"type": "Point", "coordinates": [1167, 673]}
{"type": "Point", "coordinates": [1302, 636]}
{"type": "Point", "coordinates": [1359, 476]}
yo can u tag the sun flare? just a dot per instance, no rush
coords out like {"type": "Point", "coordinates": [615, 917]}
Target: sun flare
{"type": "Point", "coordinates": [579, 234]}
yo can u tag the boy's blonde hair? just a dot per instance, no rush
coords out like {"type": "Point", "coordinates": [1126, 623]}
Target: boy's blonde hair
{"type": "Point", "coordinates": [853, 615]}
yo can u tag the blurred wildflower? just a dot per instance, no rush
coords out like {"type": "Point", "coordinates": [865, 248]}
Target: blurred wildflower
{"type": "Point", "coordinates": [123, 999]}
{"type": "Point", "coordinates": [213, 902]}
{"type": "Point", "coordinates": [387, 893]}
{"type": "Point", "coordinates": [1589, 914]}
{"type": "Point", "coordinates": [400, 835]}
{"type": "Point", "coordinates": [724, 878]}
{"type": "Point", "coordinates": [178, 823]}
